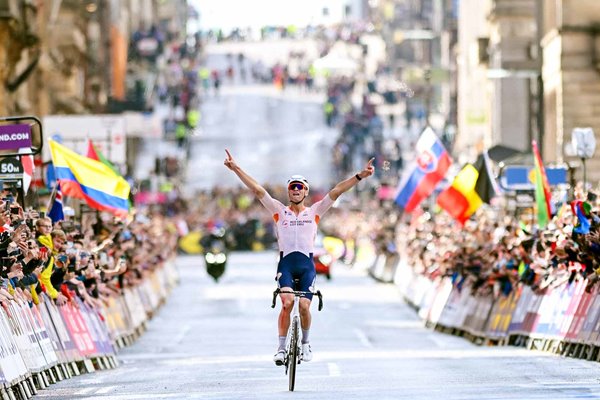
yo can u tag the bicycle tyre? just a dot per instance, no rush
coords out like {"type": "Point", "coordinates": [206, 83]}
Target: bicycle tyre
{"type": "Point", "coordinates": [293, 355]}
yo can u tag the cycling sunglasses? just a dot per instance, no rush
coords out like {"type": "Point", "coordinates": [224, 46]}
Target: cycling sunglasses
{"type": "Point", "coordinates": [296, 186]}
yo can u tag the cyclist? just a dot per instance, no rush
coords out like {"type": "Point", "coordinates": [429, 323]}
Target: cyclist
{"type": "Point", "coordinates": [296, 227]}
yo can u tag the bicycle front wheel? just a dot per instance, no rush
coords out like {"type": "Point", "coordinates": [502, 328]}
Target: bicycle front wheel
{"type": "Point", "coordinates": [293, 353]}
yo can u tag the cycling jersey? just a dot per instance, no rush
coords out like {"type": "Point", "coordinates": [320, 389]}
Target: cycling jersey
{"type": "Point", "coordinates": [296, 232]}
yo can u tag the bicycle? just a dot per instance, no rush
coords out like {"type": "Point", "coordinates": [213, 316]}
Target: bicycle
{"type": "Point", "coordinates": [292, 342]}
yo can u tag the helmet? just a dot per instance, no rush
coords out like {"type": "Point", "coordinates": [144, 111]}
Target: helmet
{"type": "Point", "coordinates": [298, 178]}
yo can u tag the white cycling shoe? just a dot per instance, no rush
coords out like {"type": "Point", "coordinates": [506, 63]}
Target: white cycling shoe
{"type": "Point", "coordinates": [306, 352]}
{"type": "Point", "coordinates": [279, 357]}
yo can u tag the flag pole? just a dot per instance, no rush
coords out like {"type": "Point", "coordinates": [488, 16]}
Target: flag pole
{"type": "Point", "coordinates": [52, 197]}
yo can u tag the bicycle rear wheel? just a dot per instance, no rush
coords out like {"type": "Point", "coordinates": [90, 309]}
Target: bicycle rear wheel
{"type": "Point", "coordinates": [293, 354]}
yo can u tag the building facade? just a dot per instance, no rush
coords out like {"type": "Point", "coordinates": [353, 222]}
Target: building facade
{"type": "Point", "coordinates": [74, 57]}
{"type": "Point", "coordinates": [499, 66]}
{"type": "Point", "coordinates": [571, 72]}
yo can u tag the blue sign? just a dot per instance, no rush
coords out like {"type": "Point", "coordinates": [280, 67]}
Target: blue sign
{"type": "Point", "coordinates": [520, 177]}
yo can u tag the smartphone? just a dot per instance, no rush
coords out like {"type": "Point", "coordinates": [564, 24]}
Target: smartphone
{"type": "Point", "coordinates": [42, 214]}
{"type": "Point", "coordinates": [14, 210]}
{"type": "Point", "coordinates": [8, 261]}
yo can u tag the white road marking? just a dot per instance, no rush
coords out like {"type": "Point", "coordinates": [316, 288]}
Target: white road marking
{"type": "Point", "coordinates": [334, 370]}
{"type": "Point", "coordinates": [83, 391]}
{"type": "Point", "coordinates": [105, 390]}
{"type": "Point", "coordinates": [363, 338]}
{"type": "Point", "coordinates": [179, 338]}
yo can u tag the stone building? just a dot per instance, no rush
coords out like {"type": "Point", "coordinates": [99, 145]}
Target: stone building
{"type": "Point", "coordinates": [571, 72]}
{"type": "Point", "coordinates": [529, 69]}
{"type": "Point", "coordinates": [73, 56]}
{"type": "Point", "coordinates": [498, 69]}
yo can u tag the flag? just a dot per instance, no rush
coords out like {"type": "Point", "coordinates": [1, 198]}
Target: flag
{"type": "Point", "coordinates": [460, 199]}
{"type": "Point", "coordinates": [56, 208]}
{"type": "Point", "coordinates": [542, 189]}
{"type": "Point", "coordinates": [28, 168]}
{"type": "Point", "coordinates": [486, 186]}
{"type": "Point", "coordinates": [95, 154]}
{"type": "Point", "coordinates": [430, 167]}
{"type": "Point", "coordinates": [581, 209]}
{"type": "Point", "coordinates": [90, 180]}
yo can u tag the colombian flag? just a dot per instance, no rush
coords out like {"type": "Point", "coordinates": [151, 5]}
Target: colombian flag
{"type": "Point", "coordinates": [90, 180]}
{"type": "Point", "coordinates": [460, 199]}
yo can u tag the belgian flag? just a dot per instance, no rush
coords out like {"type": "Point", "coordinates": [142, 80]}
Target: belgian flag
{"type": "Point", "coordinates": [460, 199]}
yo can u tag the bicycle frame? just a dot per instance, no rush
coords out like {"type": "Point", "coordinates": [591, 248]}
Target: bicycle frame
{"type": "Point", "coordinates": [292, 345]}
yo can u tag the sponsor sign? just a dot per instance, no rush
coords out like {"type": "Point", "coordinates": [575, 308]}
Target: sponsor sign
{"type": "Point", "coordinates": [14, 137]}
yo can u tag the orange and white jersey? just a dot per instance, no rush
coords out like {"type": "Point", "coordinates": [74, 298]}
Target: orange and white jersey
{"type": "Point", "coordinates": [296, 232]}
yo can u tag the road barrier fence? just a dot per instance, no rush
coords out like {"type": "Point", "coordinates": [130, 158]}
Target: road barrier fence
{"type": "Point", "coordinates": [45, 343]}
{"type": "Point", "coordinates": [563, 320]}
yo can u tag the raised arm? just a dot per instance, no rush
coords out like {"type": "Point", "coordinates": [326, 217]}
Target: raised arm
{"type": "Point", "coordinates": [347, 184]}
{"type": "Point", "coordinates": [246, 179]}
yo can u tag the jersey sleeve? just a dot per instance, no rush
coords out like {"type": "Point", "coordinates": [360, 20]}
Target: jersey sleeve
{"type": "Point", "coordinates": [321, 206]}
{"type": "Point", "coordinates": [272, 205]}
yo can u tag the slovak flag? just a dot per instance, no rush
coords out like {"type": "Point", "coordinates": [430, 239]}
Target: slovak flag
{"type": "Point", "coordinates": [430, 167]}
{"type": "Point", "coordinates": [56, 209]}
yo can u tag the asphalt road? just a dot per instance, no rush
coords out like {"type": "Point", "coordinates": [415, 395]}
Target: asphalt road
{"type": "Point", "coordinates": [216, 340]}
{"type": "Point", "coordinates": [272, 133]}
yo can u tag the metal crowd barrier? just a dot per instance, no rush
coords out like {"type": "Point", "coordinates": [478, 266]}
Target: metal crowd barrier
{"type": "Point", "coordinates": [43, 344]}
{"type": "Point", "coordinates": [563, 320]}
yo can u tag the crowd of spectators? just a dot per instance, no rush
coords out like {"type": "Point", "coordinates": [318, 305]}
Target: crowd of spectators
{"type": "Point", "coordinates": [234, 213]}
{"type": "Point", "coordinates": [494, 252]}
{"type": "Point", "coordinates": [361, 131]}
{"type": "Point", "coordinates": [93, 260]}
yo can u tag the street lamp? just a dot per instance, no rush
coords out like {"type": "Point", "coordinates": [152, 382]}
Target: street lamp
{"type": "Point", "coordinates": [584, 144]}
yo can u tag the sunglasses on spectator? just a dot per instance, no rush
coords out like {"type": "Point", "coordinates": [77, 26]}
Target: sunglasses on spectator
{"type": "Point", "coordinates": [296, 186]}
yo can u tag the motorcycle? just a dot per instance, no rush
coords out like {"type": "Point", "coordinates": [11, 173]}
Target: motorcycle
{"type": "Point", "coordinates": [215, 254]}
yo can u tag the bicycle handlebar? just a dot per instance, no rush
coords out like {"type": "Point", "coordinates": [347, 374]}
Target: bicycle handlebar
{"type": "Point", "coordinates": [299, 294]}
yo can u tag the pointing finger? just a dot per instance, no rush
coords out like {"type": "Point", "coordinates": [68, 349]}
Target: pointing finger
{"type": "Point", "coordinates": [370, 163]}
{"type": "Point", "coordinates": [228, 155]}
